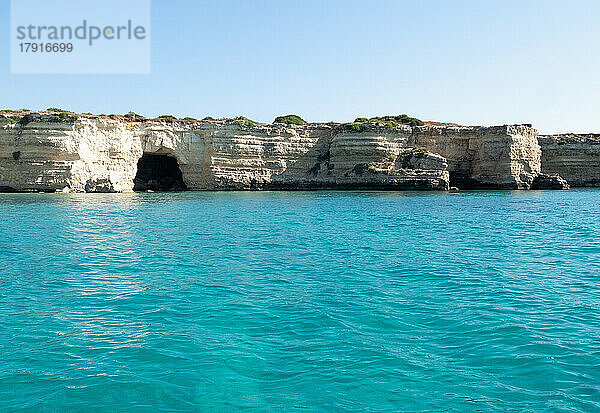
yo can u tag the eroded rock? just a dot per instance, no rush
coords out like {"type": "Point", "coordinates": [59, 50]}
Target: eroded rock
{"type": "Point", "coordinates": [95, 154]}
{"type": "Point", "coordinates": [543, 181]}
{"type": "Point", "coordinates": [101, 185]}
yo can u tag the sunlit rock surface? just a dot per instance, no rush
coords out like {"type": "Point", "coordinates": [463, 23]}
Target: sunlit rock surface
{"type": "Point", "coordinates": [575, 157]}
{"type": "Point", "coordinates": [99, 154]}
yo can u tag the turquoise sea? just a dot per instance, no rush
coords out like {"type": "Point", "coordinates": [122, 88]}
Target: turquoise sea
{"type": "Point", "coordinates": [308, 301]}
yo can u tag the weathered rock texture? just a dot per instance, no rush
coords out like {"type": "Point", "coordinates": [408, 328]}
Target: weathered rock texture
{"type": "Point", "coordinates": [576, 158]}
{"type": "Point", "coordinates": [485, 157]}
{"type": "Point", "coordinates": [544, 181]}
{"type": "Point", "coordinates": [96, 154]}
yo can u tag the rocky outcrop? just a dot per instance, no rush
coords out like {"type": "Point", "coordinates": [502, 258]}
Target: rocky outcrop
{"type": "Point", "coordinates": [543, 181]}
{"type": "Point", "coordinates": [98, 154]}
{"type": "Point", "coordinates": [98, 185]}
{"type": "Point", "coordinates": [576, 158]}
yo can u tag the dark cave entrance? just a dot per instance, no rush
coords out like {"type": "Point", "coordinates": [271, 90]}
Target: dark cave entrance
{"type": "Point", "coordinates": [158, 173]}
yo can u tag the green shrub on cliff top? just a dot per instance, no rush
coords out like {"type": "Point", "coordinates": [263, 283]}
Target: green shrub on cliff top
{"type": "Point", "coordinates": [407, 120]}
{"type": "Point", "coordinates": [400, 119]}
{"type": "Point", "coordinates": [361, 124]}
{"type": "Point", "coordinates": [62, 117]}
{"type": "Point", "coordinates": [244, 121]}
{"type": "Point", "coordinates": [10, 118]}
{"type": "Point", "coordinates": [392, 122]}
{"type": "Point", "coordinates": [356, 126]}
{"type": "Point", "coordinates": [290, 120]}
{"type": "Point", "coordinates": [167, 117]}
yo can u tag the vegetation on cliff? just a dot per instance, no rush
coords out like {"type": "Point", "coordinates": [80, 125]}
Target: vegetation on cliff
{"type": "Point", "coordinates": [170, 118]}
{"type": "Point", "coordinates": [241, 121]}
{"type": "Point", "coordinates": [62, 117]}
{"type": "Point", "coordinates": [10, 118]}
{"type": "Point", "coordinates": [53, 114]}
{"type": "Point", "coordinates": [134, 116]}
{"type": "Point", "coordinates": [363, 124]}
{"type": "Point", "coordinates": [290, 120]}
{"type": "Point", "coordinates": [244, 121]}
{"type": "Point", "coordinates": [22, 120]}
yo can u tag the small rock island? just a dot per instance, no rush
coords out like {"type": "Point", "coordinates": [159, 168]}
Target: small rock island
{"type": "Point", "coordinates": [60, 151]}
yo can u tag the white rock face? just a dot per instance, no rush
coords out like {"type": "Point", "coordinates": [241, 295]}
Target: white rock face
{"type": "Point", "coordinates": [479, 157]}
{"type": "Point", "coordinates": [100, 155]}
{"type": "Point", "coordinates": [575, 157]}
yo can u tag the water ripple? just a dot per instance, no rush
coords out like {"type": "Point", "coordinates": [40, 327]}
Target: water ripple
{"type": "Point", "coordinates": [325, 301]}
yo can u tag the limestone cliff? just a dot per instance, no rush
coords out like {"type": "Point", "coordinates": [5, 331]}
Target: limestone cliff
{"type": "Point", "coordinates": [576, 158]}
{"type": "Point", "coordinates": [97, 154]}
{"type": "Point", "coordinates": [484, 157]}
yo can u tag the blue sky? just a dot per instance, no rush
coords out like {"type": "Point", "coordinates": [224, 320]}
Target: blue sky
{"type": "Point", "coordinates": [469, 62]}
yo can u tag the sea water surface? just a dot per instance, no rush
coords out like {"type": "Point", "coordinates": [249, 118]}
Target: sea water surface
{"type": "Point", "coordinates": [310, 301]}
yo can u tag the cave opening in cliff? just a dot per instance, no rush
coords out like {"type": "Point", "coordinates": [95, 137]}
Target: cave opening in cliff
{"type": "Point", "coordinates": [157, 172]}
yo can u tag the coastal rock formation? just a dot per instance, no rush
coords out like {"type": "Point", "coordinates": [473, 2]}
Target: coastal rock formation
{"type": "Point", "coordinates": [506, 157]}
{"type": "Point", "coordinates": [576, 158]}
{"type": "Point", "coordinates": [543, 181]}
{"type": "Point", "coordinates": [100, 154]}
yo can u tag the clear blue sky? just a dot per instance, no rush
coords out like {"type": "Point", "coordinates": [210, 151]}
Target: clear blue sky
{"type": "Point", "coordinates": [470, 62]}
